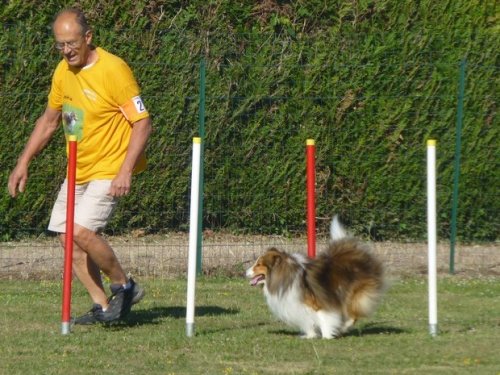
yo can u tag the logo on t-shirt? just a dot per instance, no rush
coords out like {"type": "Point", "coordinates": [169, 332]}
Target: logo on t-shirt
{"type": "Point", "coordinates": [72, 119]}
{"type": "Point", "coordinates": [90, 94]}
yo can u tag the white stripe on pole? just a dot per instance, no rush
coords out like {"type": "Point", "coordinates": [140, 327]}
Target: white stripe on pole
{"type": "Point", "coordinates": [431, 235]}
{"type": "Point", "coordinates": [193, 236]}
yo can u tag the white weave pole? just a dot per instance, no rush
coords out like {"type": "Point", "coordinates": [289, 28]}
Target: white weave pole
{"type": "Point", "coordinates": [193, 236]}
{"type": "Point", "coordinates": [431, 235]}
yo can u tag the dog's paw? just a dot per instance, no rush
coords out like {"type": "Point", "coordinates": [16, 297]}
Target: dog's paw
{"type": "Point", "coordinates": [331, 333]}
{"type": "Point", "coordinates": [331, 336]}
{"type": "Point", "coordinates": [347, 325]}
{"type": "Point", "coordinates": [309, 335]}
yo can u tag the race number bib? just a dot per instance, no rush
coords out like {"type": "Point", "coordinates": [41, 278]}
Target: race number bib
{"type": "Point", "coordinates": [133, 108]}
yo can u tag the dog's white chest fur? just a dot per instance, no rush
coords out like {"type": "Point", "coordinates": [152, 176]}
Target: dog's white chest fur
{"type": "Point", "coordinates": [289, 307]}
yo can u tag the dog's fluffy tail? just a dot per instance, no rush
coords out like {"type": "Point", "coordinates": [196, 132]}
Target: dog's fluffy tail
{"type": "Point", "coordinates": [337, 230]}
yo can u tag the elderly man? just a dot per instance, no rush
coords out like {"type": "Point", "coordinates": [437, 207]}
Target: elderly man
{"type": "Point", "coordinates": [96, 98]}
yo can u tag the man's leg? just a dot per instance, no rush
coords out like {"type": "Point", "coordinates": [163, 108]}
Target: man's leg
{"type": "Point", "coordinates": [100, 253]}
{"type": "Point", "coordinates": [103, 256]}
{"type": "Point", "coordinates": [88, 273]}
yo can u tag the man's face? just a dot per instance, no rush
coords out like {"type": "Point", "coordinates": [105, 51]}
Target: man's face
{"type": "Point", "coordinates": [71, 42]}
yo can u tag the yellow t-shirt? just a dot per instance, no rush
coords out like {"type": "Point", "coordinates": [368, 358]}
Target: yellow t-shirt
{"type": "Point", "coordinates": [99, 104]}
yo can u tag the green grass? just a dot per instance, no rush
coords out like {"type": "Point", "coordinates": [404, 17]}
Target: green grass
{"type": "Point", "coordinates": [235, 333]}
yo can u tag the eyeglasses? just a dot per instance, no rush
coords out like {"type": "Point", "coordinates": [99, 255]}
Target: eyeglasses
{"type": "Point", "coordinates": [75, 44]}
{"type": "Point", "coordinates": [72, 45]}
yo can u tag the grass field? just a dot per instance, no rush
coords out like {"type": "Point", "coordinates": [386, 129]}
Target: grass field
{"type": "Point", "coordinates": [235, 333]}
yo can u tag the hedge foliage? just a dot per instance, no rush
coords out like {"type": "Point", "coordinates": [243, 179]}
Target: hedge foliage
{"type": "Point", "coordinates": [370, 81]}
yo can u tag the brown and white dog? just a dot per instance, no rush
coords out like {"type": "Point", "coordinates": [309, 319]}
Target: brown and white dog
{"type": "Point", "coordinates": [326, 295]}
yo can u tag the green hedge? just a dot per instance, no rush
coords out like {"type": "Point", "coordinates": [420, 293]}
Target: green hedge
{"type": "Point", "coordinates": [370, 81]}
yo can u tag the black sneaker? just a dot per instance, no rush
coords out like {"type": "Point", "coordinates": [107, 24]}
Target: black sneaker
{"type": "Point", "coordinates": [121, 301]}
{"type": "Point", "coordinates": [93, 316]}
{"type": "Point", "coordinates": [138, 293]}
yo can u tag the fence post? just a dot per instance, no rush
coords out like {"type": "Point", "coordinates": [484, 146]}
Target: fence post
{"type": "Point", "coordinates": [456, 173]}
{"type": "Point", "coordinates": [201, 121]}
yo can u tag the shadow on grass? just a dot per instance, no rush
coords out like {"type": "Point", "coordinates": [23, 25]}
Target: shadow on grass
{"type": "Point", "coordinates": [367, 329]}
{"type": "Point", "coordinates": [375, 329]}
{"type": "Point", "coordinates": [155, 314]}
{"type": "Point", "coordinates": [210, 331]}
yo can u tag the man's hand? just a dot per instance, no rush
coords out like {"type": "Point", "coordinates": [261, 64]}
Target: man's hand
{"type": "Point", "coordinates": [17, 180]}
{"type": "Point", "coordinates": [120, 186]}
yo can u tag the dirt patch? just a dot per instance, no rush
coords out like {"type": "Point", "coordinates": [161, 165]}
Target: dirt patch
{"type": "Point", "coordinates": [166, 256]}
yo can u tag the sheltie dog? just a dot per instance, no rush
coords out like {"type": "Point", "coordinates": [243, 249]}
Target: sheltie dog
{"type": "Point", "coordinates": [324, 296]}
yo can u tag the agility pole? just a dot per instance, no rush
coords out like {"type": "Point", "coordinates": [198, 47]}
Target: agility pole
{"type": "Point", "coordinates": [68, 245]}
{"type": "Point", "coordinates": [431, 235]}
{"type": "Point", "coordinates": [311, 204]}
{"type": "Point", "coordinates": [193, 236]}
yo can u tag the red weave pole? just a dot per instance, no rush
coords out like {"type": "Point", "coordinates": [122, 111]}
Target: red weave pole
{"type": "Point", "coordinates": [68, 246]}
{"type": "Point", "coordinates": [311, 206]}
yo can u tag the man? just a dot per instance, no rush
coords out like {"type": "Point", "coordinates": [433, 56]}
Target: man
{"type": "Point", "coordinates": [95, 96]}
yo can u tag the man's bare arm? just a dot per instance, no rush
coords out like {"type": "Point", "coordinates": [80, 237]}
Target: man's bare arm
{"type": "Point", "coordinates": [45, 127]}
{"type": "Point", "coordinates": [138, 140]}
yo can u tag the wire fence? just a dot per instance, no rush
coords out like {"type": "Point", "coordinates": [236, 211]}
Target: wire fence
{"type": "Point", "coordinates": [165, 256]}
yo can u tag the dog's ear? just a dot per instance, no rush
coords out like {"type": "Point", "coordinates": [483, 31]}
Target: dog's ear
{"type": "Point", "coordinates": [275, 256]}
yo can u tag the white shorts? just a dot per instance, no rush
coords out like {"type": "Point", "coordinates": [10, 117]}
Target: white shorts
{"type": "Point", "coordinates": [93, 206]}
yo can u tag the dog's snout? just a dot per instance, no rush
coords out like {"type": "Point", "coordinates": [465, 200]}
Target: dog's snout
{"type": "Point", "coordinates": [249, 272]}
